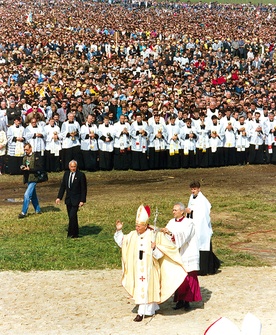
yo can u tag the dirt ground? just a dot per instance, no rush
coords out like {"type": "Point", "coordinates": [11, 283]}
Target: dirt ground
{"type": "Point", "coordinates": [94, 302]}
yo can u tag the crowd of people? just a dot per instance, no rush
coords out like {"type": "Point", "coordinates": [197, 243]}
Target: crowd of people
{"type": "Point", "coordinates": [132, 86]}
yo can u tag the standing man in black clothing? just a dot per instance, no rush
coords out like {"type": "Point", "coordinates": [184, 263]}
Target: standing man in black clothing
{"type": "Point", "coordinates": [75, 185]}
{"type": "Point", "coordinates": [12, 112]}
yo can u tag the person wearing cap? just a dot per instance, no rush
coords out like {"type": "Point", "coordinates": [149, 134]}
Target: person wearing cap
{"type": "Point", "coordinates": [198, 210]}
{"type": "Point", "coordinates": [181, 231]}
{"type": "Point", "coordinates": [152, 266]}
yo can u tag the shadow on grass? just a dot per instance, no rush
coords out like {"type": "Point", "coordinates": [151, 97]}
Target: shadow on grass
{"type": "Point", "coordinates": [89, 230]}
{"type": "Point", "coordinates": [50, 209]}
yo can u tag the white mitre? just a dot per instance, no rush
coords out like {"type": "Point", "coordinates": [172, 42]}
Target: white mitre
{"type": "Point", "coordinates": [143, 214]}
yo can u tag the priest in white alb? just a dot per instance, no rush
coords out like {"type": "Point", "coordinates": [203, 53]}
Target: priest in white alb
{"type": "Point", "coordinates": [198, 210]}
{"type": "Point", "coordinates": [181, 231]}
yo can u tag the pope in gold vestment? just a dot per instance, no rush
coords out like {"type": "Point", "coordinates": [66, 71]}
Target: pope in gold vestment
{"type": "Point", "coordinates": [152, 266]}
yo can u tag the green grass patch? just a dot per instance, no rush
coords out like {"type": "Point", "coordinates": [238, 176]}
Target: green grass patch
{"type": "Point", "coordinates": [231, 258]}
{"type": "Point", "coordinates": [39, 242]}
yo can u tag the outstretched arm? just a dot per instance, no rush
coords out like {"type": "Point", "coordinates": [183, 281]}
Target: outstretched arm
{"type": "Point", "coordinates": [119, 225]}
{"type": "Point", "coordinates": [118, 236]}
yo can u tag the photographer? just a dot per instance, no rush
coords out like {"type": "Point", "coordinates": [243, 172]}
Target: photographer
{"type": "Point", "coordinates": [31, 164]}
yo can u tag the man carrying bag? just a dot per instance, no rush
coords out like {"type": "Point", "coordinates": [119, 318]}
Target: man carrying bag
{"type": "Point", "coordinates": [31, 168]}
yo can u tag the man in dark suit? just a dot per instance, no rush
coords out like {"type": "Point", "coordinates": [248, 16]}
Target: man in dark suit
{"type": "Point", "coordinates": [75, 185]}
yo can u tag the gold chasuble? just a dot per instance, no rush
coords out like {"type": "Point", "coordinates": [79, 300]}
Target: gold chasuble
{"type": "Point", "coordinates": [148, 279]}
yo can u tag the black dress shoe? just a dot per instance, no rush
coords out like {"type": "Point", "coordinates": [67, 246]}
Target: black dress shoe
{"type": "Point", "coordinates": [179, 304]}
{"type": "Point", "coordinates": [138, 318]}
{"type": "Point", "coordinates": [22, 216]}
{"type": "Point", "coordinates": [187, 305]}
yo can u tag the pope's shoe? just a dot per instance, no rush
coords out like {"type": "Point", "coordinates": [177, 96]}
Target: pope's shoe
{"type": "Point", "coordinates": [138, 318]}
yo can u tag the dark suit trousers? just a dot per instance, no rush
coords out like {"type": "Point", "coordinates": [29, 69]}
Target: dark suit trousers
{"type": "Point", "coordinates": [73, 227]}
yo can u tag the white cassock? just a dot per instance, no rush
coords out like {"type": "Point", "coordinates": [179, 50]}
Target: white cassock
{"type": "Point", "coordinates": [15, 148]}
{"type": "Point", "coordinates": [201, 217]}
{"type": "Point", "coordinates": [88, 143]}
{"type": "Point", "coordinates": [71, 141]}
{"type": "Point", "coordinates": [121, 141]}
{"type": "Point", "coordinates": [37, 143]}
{"type": "Point", "coordinates": [54, 146]}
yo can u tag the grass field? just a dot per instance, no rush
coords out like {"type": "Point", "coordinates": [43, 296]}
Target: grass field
{"type": "Point", "coordinates": [243, 216]}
